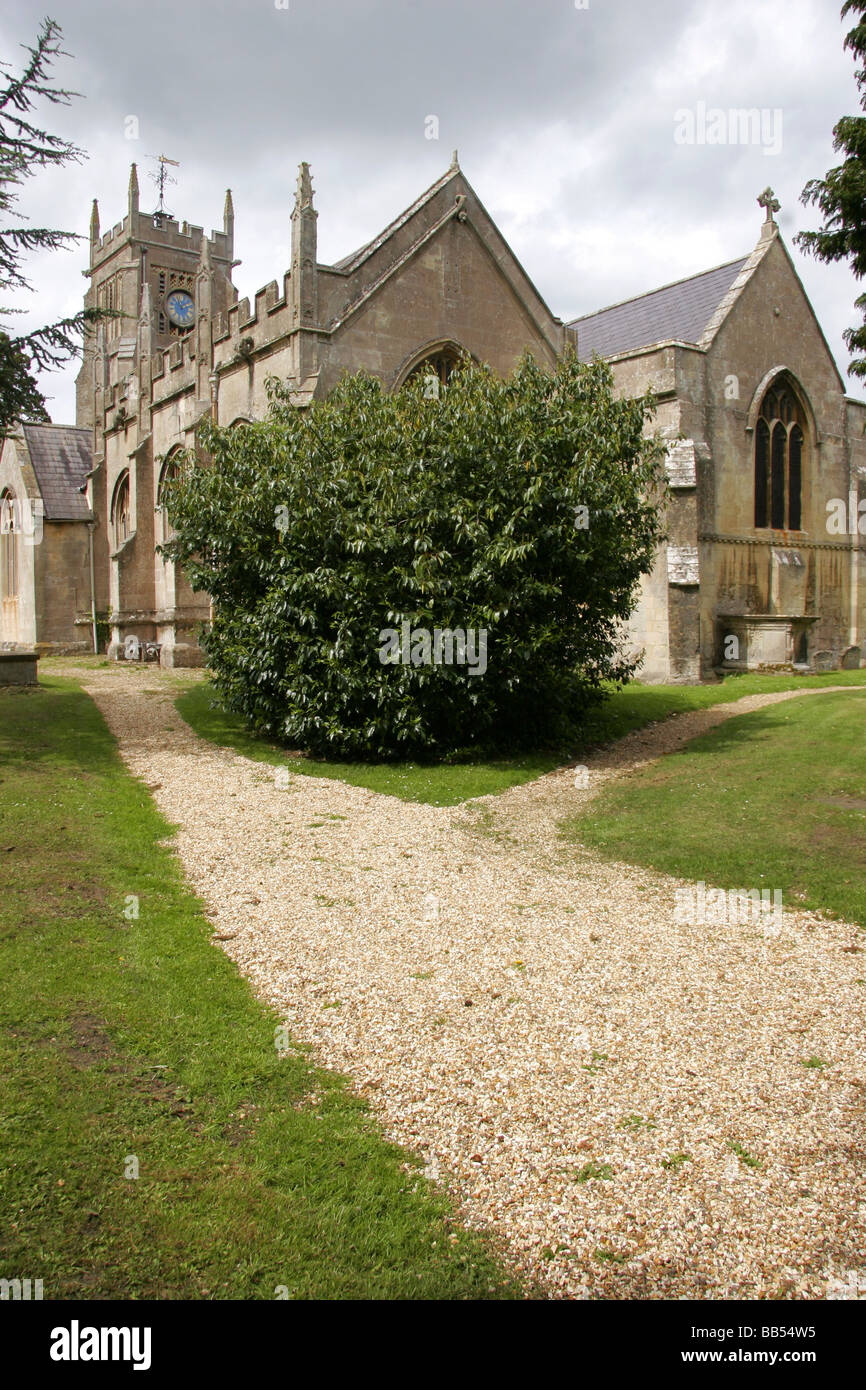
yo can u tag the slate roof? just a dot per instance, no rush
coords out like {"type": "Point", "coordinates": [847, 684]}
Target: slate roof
{"type": "Point", "coordinates": [680, 312]}
{"type": "Point", "coordinates": [61, 455]}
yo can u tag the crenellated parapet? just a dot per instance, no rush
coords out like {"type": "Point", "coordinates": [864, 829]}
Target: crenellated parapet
{"type": "Point", "coordinates": [160, 232]}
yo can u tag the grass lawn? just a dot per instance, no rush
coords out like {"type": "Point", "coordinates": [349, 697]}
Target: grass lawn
{"type": "Point", "coordinates": [773, 799]}
{"type": "Point", "coordinates": [449, 783]}
{"type": "Point", "coordinates": [134, 1040]}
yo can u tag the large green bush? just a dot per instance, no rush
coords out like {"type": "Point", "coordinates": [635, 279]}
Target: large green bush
{"type": "Point", "coordinates": [526, 507]}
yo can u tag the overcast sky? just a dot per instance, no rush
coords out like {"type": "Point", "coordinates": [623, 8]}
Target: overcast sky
{"type": "Point", "coordinates": [564, 117]}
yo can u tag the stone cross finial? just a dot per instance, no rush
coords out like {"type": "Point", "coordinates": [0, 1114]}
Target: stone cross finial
{"type": "Point", "coordinates": [768, 200]}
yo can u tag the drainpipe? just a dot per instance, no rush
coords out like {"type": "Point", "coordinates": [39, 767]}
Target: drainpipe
{"type": "Point", "coordinates": [91, 526]}
{"type": "Point", "coordinates": [854, 539]}
{"type": "Point", "coordinates": [854, 578]}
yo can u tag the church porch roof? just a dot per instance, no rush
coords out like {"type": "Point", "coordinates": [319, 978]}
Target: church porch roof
{"type": "Point", "coordinates": [61, 457]}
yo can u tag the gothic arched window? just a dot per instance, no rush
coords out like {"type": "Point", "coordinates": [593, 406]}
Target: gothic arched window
{"type": "Point", "coordinates": [437, 365]}
{"type": "Point", "coordinates": [779, 447]}
{"type": "Point", "coordinates": [121, 515]}
{"type": "Point", "coordinates": [8, 547]}
{"type": "Point", "coordinates": [170, 471]}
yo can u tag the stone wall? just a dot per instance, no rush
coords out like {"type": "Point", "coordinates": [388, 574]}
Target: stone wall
{"type": "Point", "coordinates": [771, 327]}
{"type": "Point", "coordinates": [63, 588]}
{"type": "Point", "coordinates": [18, 614]}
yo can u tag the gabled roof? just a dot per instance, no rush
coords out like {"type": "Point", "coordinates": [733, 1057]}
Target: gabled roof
{"type": "Point", "coordinates": [407, 234]}
{"type": "Point", "coordinates": [679, 312]}
{"type": "Point", "coordinates": [61, 456]}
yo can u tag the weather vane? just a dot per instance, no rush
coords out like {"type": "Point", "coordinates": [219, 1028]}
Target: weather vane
{"type": "Point", "coordinates": [161, 178]}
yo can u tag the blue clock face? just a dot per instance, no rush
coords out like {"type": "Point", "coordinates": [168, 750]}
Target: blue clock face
{"type": "Point", "coordinates": [180, 308]}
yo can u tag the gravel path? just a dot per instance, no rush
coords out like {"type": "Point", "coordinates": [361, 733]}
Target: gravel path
{"type": "Point", "coordinates": [535, 1022]}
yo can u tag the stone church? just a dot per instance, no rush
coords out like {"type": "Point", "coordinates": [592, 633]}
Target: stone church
{"type": "Point", "coordinates": [765, 559]}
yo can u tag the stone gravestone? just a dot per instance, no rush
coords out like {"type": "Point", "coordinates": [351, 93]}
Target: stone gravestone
{"type": "Point", "coordinates": [824, 661]}
{"type": "Point", "coordinates": [18, 666]}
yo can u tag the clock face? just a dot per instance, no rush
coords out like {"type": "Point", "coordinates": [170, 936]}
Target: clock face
{"type": "Point", "coordinates": [180, 308]}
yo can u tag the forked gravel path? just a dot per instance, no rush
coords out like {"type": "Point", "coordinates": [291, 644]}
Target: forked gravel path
{"type": "Point", "coordinates": [524, 1015]}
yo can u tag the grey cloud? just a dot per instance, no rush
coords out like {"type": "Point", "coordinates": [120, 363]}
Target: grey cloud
{"type": "Point", "coordinates": [564, 119]}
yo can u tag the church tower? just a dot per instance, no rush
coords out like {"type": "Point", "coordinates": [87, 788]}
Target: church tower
{"type": "Point", "coordinates": [163, 284]}
{"type": "Point", "coordinates": [147, 250]}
